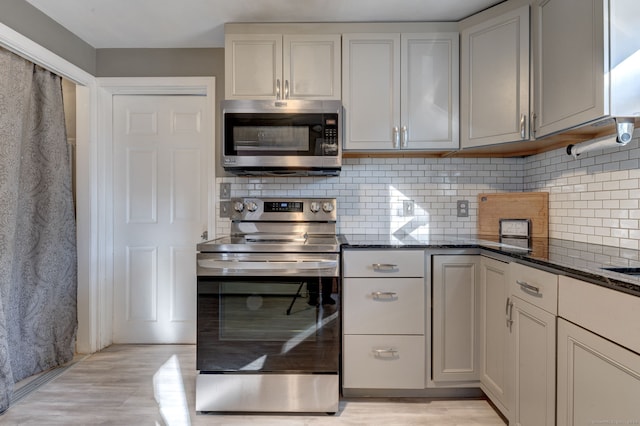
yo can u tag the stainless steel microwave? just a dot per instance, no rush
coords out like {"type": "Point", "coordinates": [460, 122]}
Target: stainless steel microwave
{"type": "Point", "coordinates": [282, 137]}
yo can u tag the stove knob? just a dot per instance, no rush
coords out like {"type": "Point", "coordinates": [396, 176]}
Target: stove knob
{"type": "Point", "coordinates": [315, 206]}
{"type": "Point", "coordinates": [251, 206]}
{"type": "Point", "coordinates": [238, 206]}
{"type": "Point", "coordinates": [327, 206]}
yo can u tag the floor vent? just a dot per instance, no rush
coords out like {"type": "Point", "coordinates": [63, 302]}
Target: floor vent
{"type": "Point", "coordinates": [31, 385]}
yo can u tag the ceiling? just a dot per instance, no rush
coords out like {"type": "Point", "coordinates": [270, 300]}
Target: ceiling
{"type": "Point", "coordinates": [200, 23]}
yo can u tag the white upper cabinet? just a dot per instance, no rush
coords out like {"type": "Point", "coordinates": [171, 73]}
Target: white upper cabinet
{"type": "Point", "coordinates": [276, 66]}
{"type": "Point", "coordinates": [371, 90]}
{"type": "Point", "coordinates": [587, 62]}
{"type": "Point", "coordinates": [400, 91]}
{"type": "Point", "coordinates": [312, 66]}
{"type": "Point", "coordinates": [495, 78]}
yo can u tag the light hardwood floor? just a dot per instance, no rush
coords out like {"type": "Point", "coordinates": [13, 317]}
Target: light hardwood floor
{"type": "Point", "coordinates": [155, 385]}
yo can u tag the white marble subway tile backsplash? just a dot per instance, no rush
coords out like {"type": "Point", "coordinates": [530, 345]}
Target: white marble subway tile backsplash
{"type": "Point", "coordinates": [592, 199]}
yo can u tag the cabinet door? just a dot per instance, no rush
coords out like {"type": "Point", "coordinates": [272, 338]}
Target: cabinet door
{"type": "Point", "coordinates": [429, 91]}
{"type": "Point", "coordinates": [494, 285]}
{"type": "Point", "coordinates": [253, 66]}
{"type": "Point", "coordinates": [455, 318]}
{"type": "Point", "coordinates": [311, 67]}
{"type": "Point", "coordinates": [533, 363]}
{"type": "Point", "coordinates": [371, 91]}
{"type": "Point", "coordinates": [570, 64]}
{"type": "Point", "coordinates": [598, 381]}
{"type": "Point", "coordinates": [495, 80]}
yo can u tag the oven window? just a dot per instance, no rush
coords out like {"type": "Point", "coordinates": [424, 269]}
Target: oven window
{"type": "Point", "coordinates": [248, 325]}
{"type": "Point", "coordinates": [266, 311]}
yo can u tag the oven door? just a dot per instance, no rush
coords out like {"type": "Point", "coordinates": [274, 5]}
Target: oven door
{"type": "Point", "coordinates": [257, 324]}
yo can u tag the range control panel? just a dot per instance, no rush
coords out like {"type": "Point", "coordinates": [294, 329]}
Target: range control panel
{"type": "Point", "coordinates": [282, 209]}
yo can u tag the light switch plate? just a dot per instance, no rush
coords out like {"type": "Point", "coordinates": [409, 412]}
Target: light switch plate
{"type": "Point", "coordinates": [225, 208]}
{"type": "Point", "coordinates": [225, 191]}
{"type": "Point", "coordinates": [407, 208]}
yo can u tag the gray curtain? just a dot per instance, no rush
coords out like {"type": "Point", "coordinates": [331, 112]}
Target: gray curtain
{"type": "Point", "coordinates": [38, 320]}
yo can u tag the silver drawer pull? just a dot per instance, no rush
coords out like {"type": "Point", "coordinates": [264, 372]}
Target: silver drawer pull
{"type": "Point", "coordinates": [384, 267]}
{"type": "Point", "coordinates": [526, 286]}
{"type": "Point", "coordinates": [385, 353]}
{"type": "Point", "coordinates": [384, 295]}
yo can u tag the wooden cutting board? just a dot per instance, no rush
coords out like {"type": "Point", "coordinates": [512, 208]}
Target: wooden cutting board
{"type": "Point", "coordinates": [513, 205]}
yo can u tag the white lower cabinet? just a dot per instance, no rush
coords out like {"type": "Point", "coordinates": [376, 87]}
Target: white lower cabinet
{"type": "Point", "coordinates": [383, 319]}
{"type": "Point", "coordinates": [533, 342]}
{"type": "Point", "coordinates": [456, 290]}
{"type": "Point", "coordinates": [598, 355]}
{"type": "Point", "coordinates": [384, 306]}
{"type": "Point", "coordinates": [532, 309]}
{"type": "Point", "coordinates": [494, 332]}
{"type": "Point", "coordinates": [598, 381]}
{"type": "Point", "coordinates": [384, 362]}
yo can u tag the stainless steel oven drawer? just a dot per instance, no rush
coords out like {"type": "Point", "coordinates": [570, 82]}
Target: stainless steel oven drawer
{"type": "Point", "coordinates": [304, 393]}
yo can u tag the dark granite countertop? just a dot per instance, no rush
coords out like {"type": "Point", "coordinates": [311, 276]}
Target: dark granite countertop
{"type": "Point", "coordinates": [579, 260]}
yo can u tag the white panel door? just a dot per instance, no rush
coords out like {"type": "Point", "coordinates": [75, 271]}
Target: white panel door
{"type": "Point", "coordinates": [160, 211]}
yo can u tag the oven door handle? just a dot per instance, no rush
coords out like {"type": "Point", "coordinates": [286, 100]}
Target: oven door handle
{"type": "Point", "coordinates": [266, 265]}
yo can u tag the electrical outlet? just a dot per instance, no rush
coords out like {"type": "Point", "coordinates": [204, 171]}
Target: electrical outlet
{"type": "Point", "coordinates": [407, 208]}
{"type": "Point", "coordinates": [463, 208]}
{"type": "Point", "coordinates": [225, 208]}
{"type": "Point", "coordinates": [225, 191]}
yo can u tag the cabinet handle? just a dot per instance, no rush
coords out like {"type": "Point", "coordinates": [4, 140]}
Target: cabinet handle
{"type": "Point", "coordinates": [509, 312]}
{"type": "Point", "coordinates": [405, 139]}
{"type": "Point", "coordinates": [384, 295]}
{"type": "Point", "coordinates": [286, 89]}
{"type": "Point", "coordinates": [384, 267]}
{"type": "Point", "coordinates": [526, 286]}
{"type": "Point", "coordinates": [533, 123]}
{"type": "Point", "coordinates": [523, 126]}
{"type": "Point", "coordinates": [396, 137]}
{"type": "Point", "coordinates": [385, 353]}
{"type": "Point", "coordinates": [277, 88]}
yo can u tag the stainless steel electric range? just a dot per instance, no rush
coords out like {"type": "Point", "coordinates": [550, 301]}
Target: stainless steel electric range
{"type": "Point", "coordinates": [268, 329]}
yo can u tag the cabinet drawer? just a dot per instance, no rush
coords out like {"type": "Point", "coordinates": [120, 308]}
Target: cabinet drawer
{"type": "Point", "coordinates": [383, 263]}
{"type": "Point", "coordinates": [383, 306]}
{"type": "Point", "coordinates": [540, 288]}
{"type": "Point", "coordinates": [609, 313]}
{"type": "Point", "coordinates": [384, 362]}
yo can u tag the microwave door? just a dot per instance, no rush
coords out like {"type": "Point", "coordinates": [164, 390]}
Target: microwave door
{"type": "Point", "coordinates": [270, 140]}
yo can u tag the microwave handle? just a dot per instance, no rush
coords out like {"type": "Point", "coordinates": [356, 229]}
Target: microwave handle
{"type": "Point", "coordinates": [277, 88]}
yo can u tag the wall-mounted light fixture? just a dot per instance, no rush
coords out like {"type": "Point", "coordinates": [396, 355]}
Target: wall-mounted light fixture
{"type": "Point", "coordinates": [624, 134]}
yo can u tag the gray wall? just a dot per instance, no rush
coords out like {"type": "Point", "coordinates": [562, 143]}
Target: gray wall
{"type": "Point", "coordinates": [35, 25]}
{"type": "Point", "coordinates": [167, 63]}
